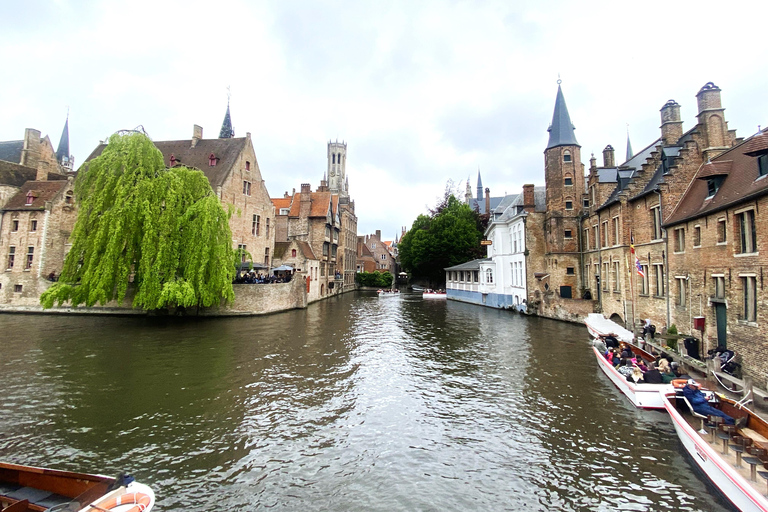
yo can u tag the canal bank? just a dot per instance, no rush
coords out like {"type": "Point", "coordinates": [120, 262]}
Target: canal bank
{"type": "Point", "coordinates": [250, 300]}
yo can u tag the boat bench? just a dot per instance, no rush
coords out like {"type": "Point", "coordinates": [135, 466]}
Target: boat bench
{"type": "Point", "coordinates": [35, 496]}
{"type": "Point", "coordinates": [756, 438]}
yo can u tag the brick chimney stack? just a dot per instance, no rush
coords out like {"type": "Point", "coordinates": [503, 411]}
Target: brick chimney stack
{"type": "Point", "coordinates": [378, 234]}
{"type": "Point", "coordinates": [487, 200]}
{"type": "Point", "coordinates": [671, 124]}
{"type": "Point", "coordinates": [529, 200]}
{"type": "Point", "coordinates": [712, 120]}
{"type": "Point", "coordinates": [30, 153]}
{"type": "Point", "coordinates": [609, 159]}
{"type": "Point", "coordinates": [305, 200]}
{"type": "Point", "coordinates": [197, 134]}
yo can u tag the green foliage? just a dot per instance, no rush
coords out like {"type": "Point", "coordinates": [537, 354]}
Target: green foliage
{"type": "Point", "coordinates": [672, 342]}
{"type": "Point", "coordinates": [375, 279]}
{"type": "Point", "coordinates": [165, 229]}
{"type": "Point", "coordinates": [450, 236]}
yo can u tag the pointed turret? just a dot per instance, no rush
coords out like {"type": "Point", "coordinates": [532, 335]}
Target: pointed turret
{"type": "Point", "coordinates": [630, 154]}
{"type": "Point", "coordinates": [561, 131]}
{"type": "Point", "coordinates": [227, 132]}
{"type": "Point", "coordinates": [479, 187]}
{"type": "Point", "coordinates": [62, 153]}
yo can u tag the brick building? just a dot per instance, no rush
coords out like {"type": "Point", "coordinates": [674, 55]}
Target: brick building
{"type": "Point", "coordinates": [383, 258]}
{"type": "Point", "coordinates": [36, 215]}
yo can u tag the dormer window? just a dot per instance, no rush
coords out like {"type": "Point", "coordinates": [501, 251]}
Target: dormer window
{"type": "Point", "coordinates": [762, 165]}
{"type": "Point", "coordinates": [173, 161]}
{"type": "Point", "coordinates": [713, 185]}
{"type": "Point", "coordinates": [212, 160]}
{"type": "Point", "coordinates": [30, 198]}
{"type": "Point", "coordinates": [247, 165]}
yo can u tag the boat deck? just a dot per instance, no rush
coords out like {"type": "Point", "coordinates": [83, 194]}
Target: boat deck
{"type": "Point", "coordinates": [760, 484]}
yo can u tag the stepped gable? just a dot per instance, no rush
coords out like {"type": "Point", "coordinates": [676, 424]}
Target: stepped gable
{"type": "Point", "coordinates": [10, 151]}
{"type": "Point", "coordinates": [739, 174]}
{"type": "Point", "coordinates": [225, 153]}
{"type": "Point", "coordinates": [42, 192]}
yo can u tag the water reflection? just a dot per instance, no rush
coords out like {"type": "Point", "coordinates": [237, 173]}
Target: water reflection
{"type": "Point", "coordinates": [356, 403]}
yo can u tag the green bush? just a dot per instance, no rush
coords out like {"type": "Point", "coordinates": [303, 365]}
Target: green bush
{"type": "Point", "coordinates": [374, 279]}
{"type": "Point", "coordinates": [672, 342]}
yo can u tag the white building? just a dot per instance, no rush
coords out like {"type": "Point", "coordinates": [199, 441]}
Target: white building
{"type": "Point", "coordinates": [499, 280]}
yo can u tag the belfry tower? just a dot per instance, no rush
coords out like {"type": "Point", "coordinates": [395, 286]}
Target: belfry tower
{"type": "Point", "coordinates": [564, 176]}
{"type": "Point", "coordinates": [337, 169]}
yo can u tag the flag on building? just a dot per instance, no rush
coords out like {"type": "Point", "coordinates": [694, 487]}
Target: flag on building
{"type": "Point", "coordinates": [639, 266]}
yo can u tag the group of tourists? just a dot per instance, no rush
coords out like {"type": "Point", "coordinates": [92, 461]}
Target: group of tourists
{"type": "Point", "coordinates": [636, 369]}
{"type": "Point", "coordinates": [253, 278]}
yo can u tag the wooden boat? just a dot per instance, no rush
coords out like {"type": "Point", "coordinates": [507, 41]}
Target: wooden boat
{"type": "Point", "coordinates": [642, 395]}
{"type": "Point", "coordinates": [431, 294]}
{"type": "Point", "coordinates": [737, 474]}
{"type": "Point", "coordinates": [26, 488]}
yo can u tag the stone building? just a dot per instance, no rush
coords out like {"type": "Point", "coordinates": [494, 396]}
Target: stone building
{"type": "Point", "coordinates": [36, 215]}
{"type": "Point", "coordinates": [366, 261]}
{"type": "Point", "coordinates": [232, 169]}
{"type": "Point", "coordinates": [383, 258]}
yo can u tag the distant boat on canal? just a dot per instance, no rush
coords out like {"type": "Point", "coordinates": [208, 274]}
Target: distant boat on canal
{"type": "Point", "coordinates": [433, 294]}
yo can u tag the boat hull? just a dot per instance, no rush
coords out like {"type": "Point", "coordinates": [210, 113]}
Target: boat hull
{"type": "Point", "coordinates": [433, 295]}
{"type": "Point", "coordinates": [644, 396]}
{"type": "Point", "coordinates": [722, 475]}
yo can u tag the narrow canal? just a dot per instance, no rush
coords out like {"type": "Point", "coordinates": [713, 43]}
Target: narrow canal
{"type": "Point", "coordinates": [356, 403]}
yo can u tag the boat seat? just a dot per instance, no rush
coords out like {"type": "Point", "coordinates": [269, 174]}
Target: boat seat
{"type": "Point", "coordinates": [724, 434]}
{"type": "Point", "coordinates": [40, 497]}
{"type": "Point", "coordinates": [694, 413]}
{"type": "Point", "coordinates": [754, 436]}
{"type": "Point", "coordinates": [738, 447]}
{"type": "Point", "coordinates": [754, 460]}
{"type": "Point", "coordinates": [764, 474]}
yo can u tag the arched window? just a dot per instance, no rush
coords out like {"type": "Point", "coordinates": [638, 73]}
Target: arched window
{"type": "Point", "coordinates": [293, 253]}
{"type": "Point", "coordinates": [333, 156]}
{"type": "Point", "coordinates": [30, 198]}
{"type": "Point", "coordinates": [489, 276]}
{"type": "Point", "coordinates": [566, 156]}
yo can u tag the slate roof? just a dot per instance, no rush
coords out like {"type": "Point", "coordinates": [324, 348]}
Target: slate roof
{"type": "Point", "coordinates": [225, 150]}
{"type": "Point", "coordinates": [741, 183]}
{"type": "Point", "coordinates": [63, 150]}
{"type": "Point", "coordinates": [10, 151]}
{"type": "Point", "coordinates": [42, 191]}
{"type": "Point", "coordinates": [15, 175]}
{"type": "Point", "coordinates": [561, 131]}
{"type": "Point", "coordinates": [480, 205]}
{"type": "Point", "coordinates": [470, 265]}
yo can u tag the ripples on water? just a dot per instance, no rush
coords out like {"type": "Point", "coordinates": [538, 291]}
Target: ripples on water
{"type": "Point", "coordinates": [356, 403]}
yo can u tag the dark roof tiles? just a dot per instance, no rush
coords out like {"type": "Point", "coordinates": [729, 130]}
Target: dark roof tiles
{"type": "Point", "coordinates": [42, 192]}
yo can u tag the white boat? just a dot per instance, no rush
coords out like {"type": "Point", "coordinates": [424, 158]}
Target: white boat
{"type": "Point", "coordinates": [28, 488]}
{"type": "Point", "coordinates": [598, 325]}
{"type": "Point", "coordinates": [739, 484]}
{"type": "Point", "coordinates": [432, 294]}
{"type": "Point", "coordinates": [642, 395]}
{"type": "Point", "coordinates": [387, 293]}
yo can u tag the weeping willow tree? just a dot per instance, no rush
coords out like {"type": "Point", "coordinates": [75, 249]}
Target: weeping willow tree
{"type": "Point", "coordinates": [164, 229]}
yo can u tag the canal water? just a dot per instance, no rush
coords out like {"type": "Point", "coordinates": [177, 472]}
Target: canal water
{"type": "Point", "coordinates": [356, 403]}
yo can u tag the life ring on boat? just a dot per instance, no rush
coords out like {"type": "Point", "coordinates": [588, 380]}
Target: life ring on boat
{"type": "Point", "coordinates": [139, 499]}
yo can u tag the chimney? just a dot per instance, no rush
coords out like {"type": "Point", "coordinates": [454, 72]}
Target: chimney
{"type": "Point", "coordinates": [671, 125]}
{"type": "Point", "coordinates": [487, 200]}
{"type": "Point", "coordinates": [30, 153]}
{"type": "Point", "coordinates": [592, 163]}
{"type": "Point", "coordinates": [305, 200]}
{"type": "Point", "coordinates": [197, 134]}
{"type": "Point", "coordinates": [286, 196]}
{"type": "Point", "coordinates": [529, 200]}
{"type": "Point", "coordinates": [712, 119]}
{"type": "Point", "coordinates": [378, 234]}
{"type": "Point", "coordinates": [608, 157]}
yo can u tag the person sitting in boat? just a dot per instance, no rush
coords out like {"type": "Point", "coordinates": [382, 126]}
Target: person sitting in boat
{"type": "Point", "coordinates": [627, 353]}
{"type": "Point", "coordinates": [626, 368]}
{"type": "Point", "coordinates": [700, 403]}
{"type": "Point", "coordinates": [642, 365]}
{"type": "Point", "coordinates": [652, 375]}
{"type": "Point", "coordinates": [667, 375]}
{"type": "Point", "coordinates": [610, 340]}
{"type": "Point", "coordinates": [637, 375]}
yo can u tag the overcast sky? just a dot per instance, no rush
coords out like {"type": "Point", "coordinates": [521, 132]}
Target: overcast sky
{"type": "Point", "coordinates": [423, 92]}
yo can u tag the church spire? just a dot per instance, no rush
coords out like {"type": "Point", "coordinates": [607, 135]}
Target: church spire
{"type": "Point", "coordinates": [62, 153]}
{"type": "Point", "coordinates": [227, 131]}
{"type": "Point", "coordinates": [479, 186]}
{"type": "Point", "coordinates": [561, 131]}
{"type": "Point", "coordinates": [630, 154]}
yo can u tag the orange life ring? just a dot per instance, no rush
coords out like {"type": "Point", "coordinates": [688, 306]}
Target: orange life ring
{"type": "Point", "coordinates": [140, 499]}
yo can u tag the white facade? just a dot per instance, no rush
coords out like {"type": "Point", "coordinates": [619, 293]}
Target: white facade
{"type": "Point", "coordinates": [507, 252]}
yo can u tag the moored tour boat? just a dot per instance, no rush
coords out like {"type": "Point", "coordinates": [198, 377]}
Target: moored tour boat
{"type": "Point", "coordinates": [27, 488]}
{"type": "Point", "coordinates": [598, 325]}
{"type": "Point", "coordinates": [433, 294]}
{"type": "Point", "coordinates": [724, 453]}
{"type": "Point", "coordinates": [643, 395]}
